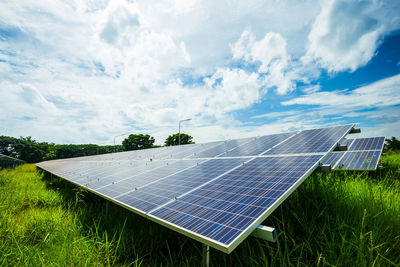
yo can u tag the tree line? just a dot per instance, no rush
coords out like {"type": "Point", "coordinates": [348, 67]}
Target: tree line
{"type": "Point", "coordinates": [29, 150]}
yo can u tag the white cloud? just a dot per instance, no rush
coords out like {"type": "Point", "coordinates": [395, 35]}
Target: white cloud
{"type": "Point", "coordinates": [271, 54]}
{"type": "Point", "coordinates": [382, 93]}
{"type": "Point", "coordinates": [95, 69]}
{"type": "Point", "coordinates": [345, 35]}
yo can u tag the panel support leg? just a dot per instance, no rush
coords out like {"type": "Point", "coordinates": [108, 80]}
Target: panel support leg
{"type": "Point", "coordinates": [206, 255]}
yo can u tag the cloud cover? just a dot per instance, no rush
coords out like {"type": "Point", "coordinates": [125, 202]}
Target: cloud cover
{"type": "Point", "coordinates": [107, 67]}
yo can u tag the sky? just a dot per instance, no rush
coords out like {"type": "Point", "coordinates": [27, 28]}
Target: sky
{"type": "Point", "coordinates": [89, 71]}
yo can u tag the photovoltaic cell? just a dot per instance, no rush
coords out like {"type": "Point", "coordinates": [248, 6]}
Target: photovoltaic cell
{"type": "Point", "coordinates": [257, 145]}
{"type": "Point", "coordinates": [219, 149]}
{"type": "Point", "coordinates": [175, 185]}
{"type": "Point", "coordinates": [359, 160]}
{"type": "Point", "coordinates": [230, 204]}
{"type": "Point", "coordinates": [134, 180]}
{"type": "Point", "coordinates": [374, 143]}
{"type": "Point", "coordinates": [312, 141]}
{"type": "Point", "coordinates": [333, 157]}
{"type": "Point", "coordinates": [356, 157]}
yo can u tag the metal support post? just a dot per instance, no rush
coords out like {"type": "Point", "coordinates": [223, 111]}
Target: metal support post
{"type": "Point", "coordinates": [324, 168]}
{"type": "Point", "coordinates": [355, 130]}
{"type": "Point", "coordinates": [265, 232]}
{"type": "Point", "coordinates": [206, 256]}
{"type": "Point", "coordinates": [107, 207]}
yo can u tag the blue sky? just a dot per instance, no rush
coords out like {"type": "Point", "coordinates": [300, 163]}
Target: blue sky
{"type": "Point", "coordinates": [86, 71]}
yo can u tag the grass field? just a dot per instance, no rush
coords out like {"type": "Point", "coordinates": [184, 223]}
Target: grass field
{"type": "Point", "coordinates": [335, 219]}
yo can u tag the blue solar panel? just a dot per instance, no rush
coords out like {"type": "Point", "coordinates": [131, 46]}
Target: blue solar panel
{"type": "Point", "coordinates": [135, 179]}
{"type": "Point", "coordinates": [374, 143]}
{"type": "Point", "coordinates": [332, 158]}
{"type": "Point", "coordinates": [222, 147]}
{"type": "Point", "coordinates": [257, 145]}
{"type": "Point", "coordinates": [353, 159]}
{"type": "Point", "coordinates": [217, 198]}
{"type": "Point", "coordinates": [312, 141]}
{"type": "Point", "coordinates": [172, 186]}
{"type": "Point", "coordinates": [230, 204]}
{"type": "Point", "coordinates": [359, 160]}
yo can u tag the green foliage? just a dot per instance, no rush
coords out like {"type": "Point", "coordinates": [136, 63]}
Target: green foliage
{"type": "Point", "coordinates": [173, 140]}
{"type": "Point", "coordinates": [137, 141]}
{"type": "Point", "coordinates": [24, 148]}
{"type": "Point", "coordinates": [392, 144]}
{"type": "Point", "coordinates": [27, 149]}
{"type": "Point", "coordinates": [343, 218]}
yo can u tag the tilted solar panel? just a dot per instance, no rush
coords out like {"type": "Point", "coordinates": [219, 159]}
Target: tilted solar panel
{"type": "Point", "coordinates": [216, 193]}
{"type": "Point", "coordinates": [362, 154]}
{"type": "Point", "coordinates": [333, 158]}
{"type": "Point", "coordinates": [312, 141]}
{"type": "Point", "coordinates": [225, 208]}
{"type": "Point", "coordinates": [374, 143]}
{"type": "Point", "coordinates": [359, 160]}
{"type": "Point", "coordinates": [257, 145]}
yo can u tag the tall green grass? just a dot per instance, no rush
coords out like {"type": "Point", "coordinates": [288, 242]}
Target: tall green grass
{"type": "Point", "coordinates": [335, 219]}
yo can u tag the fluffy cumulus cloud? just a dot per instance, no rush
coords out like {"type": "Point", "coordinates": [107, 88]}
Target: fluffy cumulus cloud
{"type": "Point", "coordinates": [271, 55]}
{"type": "Point", "coordinates": [345, 35]}
{"type": "Point", "coordinates": [85, 71]}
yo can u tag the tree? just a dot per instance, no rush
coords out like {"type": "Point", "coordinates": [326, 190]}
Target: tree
{"type": "Point", "coordinates": [8, 146]}
{"type": "Point", "coordinates": [138, 141]}
{"type": "Point", "coordinates": [392, 144]}
{"type": "Point", "coordinates": [173, 140]}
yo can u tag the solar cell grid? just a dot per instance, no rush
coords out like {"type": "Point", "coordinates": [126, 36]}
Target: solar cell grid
{"type": "Point", "coordinates": [222, 147]}
{"type": "Point", "coordinates": [244, 189]}
{"type": "Point", "coordinates": [312, 141]}
{"type": "Point", "coordinates": [214, 198]}
{"type": "Point", "coordinates": [332, 158]}
{"type": "Point", "coordinates": [374, 143]}
{"type": "Point", "coordinates": [356, 158]}
{"type": "Point", "coordinates": [359, 160]}
{"type": "Point", "coordinates": [135, 180]}
{"type": "Point", "coordinates": [167, 186]}
{"type": "Point", "coordinates": [256, 146]}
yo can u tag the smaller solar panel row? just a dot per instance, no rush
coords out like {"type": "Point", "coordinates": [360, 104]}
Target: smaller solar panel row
{"type": "Point", "coordinates": [362, 154]}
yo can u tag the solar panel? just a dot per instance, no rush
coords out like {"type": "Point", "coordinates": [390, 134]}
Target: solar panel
{"type": "Point", "coordinates": [374, 143]}
{"type": "Point", "coordinates": [312, 141]}
{"type": "Point", "coordinates": [333, 158]}
{"type": "Point", "coordinates": [6, 161]}
{"type": "Point", "coordinates": [257, 145]}
{"type": "Point", "coordinates": [222, 209]}
{"type": "Point", "coordinates": [359, 160]}
{"type": "Point", "coordinates": [216, 193]}
{"type": "Point", "coordinates": [362, 154]}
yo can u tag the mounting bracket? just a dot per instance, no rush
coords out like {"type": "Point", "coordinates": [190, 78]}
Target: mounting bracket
{"type": "Point", "coordinates": [265, 232]}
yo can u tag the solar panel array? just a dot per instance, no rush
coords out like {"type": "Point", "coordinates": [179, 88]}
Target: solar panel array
{"type": "Point", "coordinates": [362, 154]}
{"type": "Point", "coordinates": [216, 193]}
{"type": "Point", "coordinates": [7, 161]}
